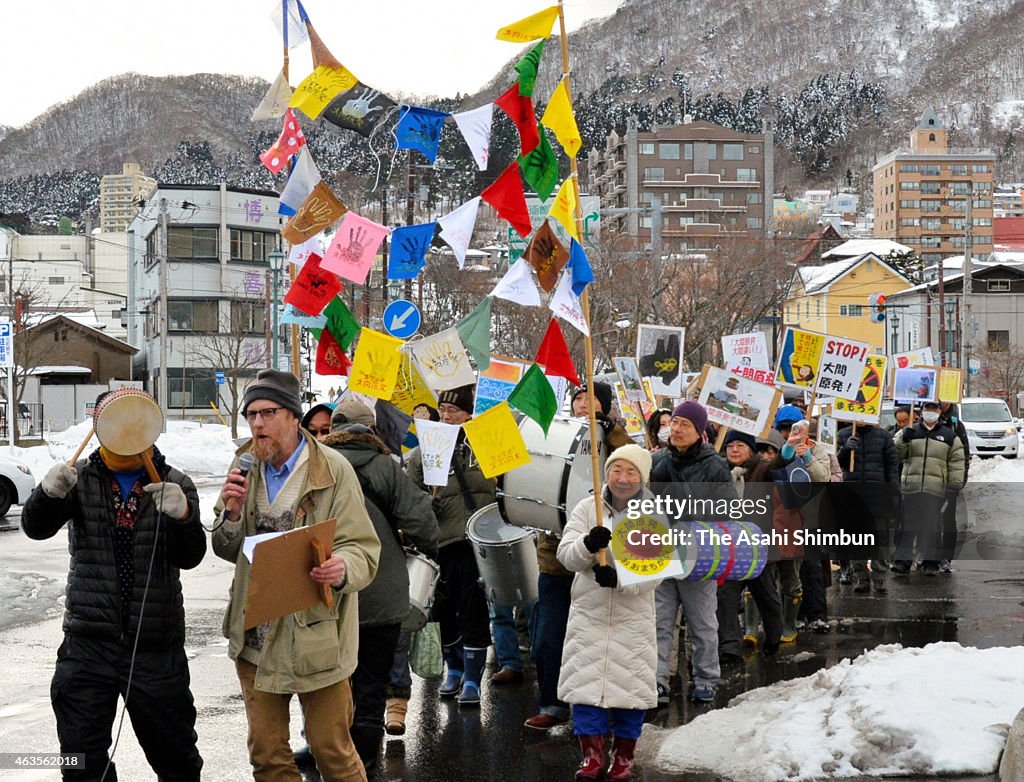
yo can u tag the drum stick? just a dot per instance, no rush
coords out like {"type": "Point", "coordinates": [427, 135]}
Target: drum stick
{"type": "Point", "coordinates": [321, 555]}
{"type": "Point", "coordinates": [853, 454]}
{"type": "Point", "coordinates": [81, 448]}
{"type": "Point", "coordinates": [147, 460]}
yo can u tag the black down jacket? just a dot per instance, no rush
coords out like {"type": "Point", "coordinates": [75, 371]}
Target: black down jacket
{"type": "Point", "coordinates": [93, 607]}
{"type": "Point", "coordinates": [876, 460]}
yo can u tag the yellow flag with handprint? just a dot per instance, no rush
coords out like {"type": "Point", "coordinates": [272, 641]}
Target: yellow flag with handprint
{"type": "Point", "coordinates": [411, 390]}
{"type": "Point", "coordinates": [375, 367]}
{"type": "Point", "coordinates": [496, 441]}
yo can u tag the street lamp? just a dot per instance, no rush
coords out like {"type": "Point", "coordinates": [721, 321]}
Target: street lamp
{"type": "Point", "coordinates": [276, 260]}
{"type": "Point", "coordinates": [895, 320]}
{"type": "Point", "coordinates": [950, 306]}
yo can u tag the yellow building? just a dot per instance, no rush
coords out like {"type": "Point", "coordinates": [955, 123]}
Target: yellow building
{"type": "Point", "coordinates": [119, 197]}
{"type": "Point", "coordinates": [834, 298]}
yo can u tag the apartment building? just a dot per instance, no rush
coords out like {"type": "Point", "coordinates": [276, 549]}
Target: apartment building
{"type": "Point", "coordinates": [921, 193]}
{"type": "Point", "coordinates": [120, 195]}
{"type": "Point", "coordinates": [709, 182]}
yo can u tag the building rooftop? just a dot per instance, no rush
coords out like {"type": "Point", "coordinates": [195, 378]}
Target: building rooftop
{"type": "Point", "coordinates": [858, 247]}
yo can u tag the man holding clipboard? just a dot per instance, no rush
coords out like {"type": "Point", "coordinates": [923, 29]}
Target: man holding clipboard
{"type": "Point", "coordinates": [295, 483]}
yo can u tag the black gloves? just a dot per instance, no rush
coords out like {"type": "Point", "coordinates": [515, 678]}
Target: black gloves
{"type": "Point", "coordinates": [597, 539]}
{"type": "Point", "coordinates": [604, 422]}
{"type": "Point", "coordinates": [853, 442]}
{"type": "Point", "coordinates": [952, 493]}
{"type": "Point", "coordinates": [605, 575]}
{"type": "Point", "coordinates": [908, 434]}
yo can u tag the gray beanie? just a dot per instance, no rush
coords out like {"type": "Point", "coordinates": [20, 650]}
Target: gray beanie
{"type": "Point", "coordinates": [277, 386]}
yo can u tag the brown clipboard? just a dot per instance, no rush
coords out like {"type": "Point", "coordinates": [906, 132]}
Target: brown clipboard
{"type": "Point", "coordinates": [279, 582]}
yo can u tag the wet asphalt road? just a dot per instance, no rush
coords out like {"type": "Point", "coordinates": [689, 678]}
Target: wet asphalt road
{"type": "Point", "coordinates": [981, 604]}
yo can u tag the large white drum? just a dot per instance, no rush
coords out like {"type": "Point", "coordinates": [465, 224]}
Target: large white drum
{"type": "Point", "coordinates": [423, 574]}
{"type": "Point", "coordinates": [506, 557]}
{"type": "Point", "coordinates": [542, 494]}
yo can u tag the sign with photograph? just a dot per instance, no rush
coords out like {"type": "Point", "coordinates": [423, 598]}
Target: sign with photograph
{"type": "Point", "coordinates": [659, 354]}
{"type": "Point", "coordinates": [629, 375]}
{"type": "Point", "coordinates": [738, 403]}
{"type": "Point", "coordinates": [915, 384]}
{"type": "Point", "coordinates": [827, 433]}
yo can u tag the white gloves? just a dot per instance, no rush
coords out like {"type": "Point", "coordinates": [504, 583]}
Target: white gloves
{"type": "Point", "coordinates": [59, 480]}
{"type": "Point", "coordinates": [170, 499]}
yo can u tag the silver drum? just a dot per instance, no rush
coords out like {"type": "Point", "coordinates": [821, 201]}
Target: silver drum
{"type": "Point", "coordinates": [506, 557]}
{"type": "Point", "coordinates": [423, 574]}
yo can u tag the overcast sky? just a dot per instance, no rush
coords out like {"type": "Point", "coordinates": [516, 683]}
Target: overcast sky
{"type": "Point", "coordinates": [56, 48]}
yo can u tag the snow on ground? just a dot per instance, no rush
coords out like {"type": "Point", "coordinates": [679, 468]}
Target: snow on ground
{"type": "Point", "coordinates": [943, 709]}
{"type": "Point", "coordinates": [195, 448]}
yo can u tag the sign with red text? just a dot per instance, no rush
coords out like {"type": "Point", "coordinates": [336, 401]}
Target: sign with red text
{"type": "Point", "coordinates": [841, 368]}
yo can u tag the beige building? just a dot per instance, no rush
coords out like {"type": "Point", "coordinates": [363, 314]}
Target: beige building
{"type": "Point", "coordinates": [921, 193]}
{"type": "Point", "coordinates": [120, 194]}
{"type": "Point", "coordinates": [712, 183]}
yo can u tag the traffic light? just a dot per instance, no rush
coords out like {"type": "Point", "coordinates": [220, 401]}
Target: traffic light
{"type": "Point", "coordinates": [877, 303]}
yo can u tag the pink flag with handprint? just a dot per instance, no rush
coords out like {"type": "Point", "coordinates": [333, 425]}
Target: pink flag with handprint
{"type": "Point", "coordinates": [354, 247]}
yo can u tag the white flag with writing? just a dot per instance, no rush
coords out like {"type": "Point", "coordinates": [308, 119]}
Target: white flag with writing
{"type": "Point", "coordinates": [457, 228]}
{"type": "Point", "coordinates": [275, 101]}
{"type": "Point", "coordinates": [517, 285]}
{"type": "Point", "coordinates": [566, 305]}
{"type": "Point", "coordinates": [476, 129]}
{"type": "Point", "coordinates": [303, 179]}
{"type": "Point", "coordinates": [437, 444]}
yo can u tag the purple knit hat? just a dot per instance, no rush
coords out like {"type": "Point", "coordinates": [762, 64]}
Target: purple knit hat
{"type": "Point", "coordinates": [694, 412]}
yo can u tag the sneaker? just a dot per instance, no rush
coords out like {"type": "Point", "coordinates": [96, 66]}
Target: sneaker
{"type": "Point", "coordinates": [470, 695]}
{"type": "Point", "coordinates": [945, 566]}
{"type": "Point", "coordinates": [663, 696]}
{"type": "Point", "coordinates": [544, 722]}
{"type": "Point", "coordinates": [820, 626]}
{"type": "Point", "coordinates": [930, 569]}
{"type": "Point", "coordinates": [862, 585]}
{"type": "Point", "coordinates": [304, 758]}
{"type": "Point", "coordinates": [703, 693]}
{"type": "Point", "coordinates": [900, 568]}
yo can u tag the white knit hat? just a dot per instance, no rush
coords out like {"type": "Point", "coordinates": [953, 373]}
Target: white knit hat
{"type": "Point", "coordinates": [635, 455]}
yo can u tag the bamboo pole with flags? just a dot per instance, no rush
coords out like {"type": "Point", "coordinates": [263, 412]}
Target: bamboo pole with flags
{"type": "Point", "coordinates": [588, 345]}
{"type": "Point", "coordinates": [293, 328]}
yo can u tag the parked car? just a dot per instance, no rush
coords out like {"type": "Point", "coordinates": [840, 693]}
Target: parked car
{"type": "Point", "coordinates": [991, 430]}
{"type": "Point", "coordinates": [16, 483]}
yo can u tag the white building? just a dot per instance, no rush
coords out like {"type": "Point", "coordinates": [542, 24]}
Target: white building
{"type": "Point", "coordinates": [217, 241]}
{"type": "Point", "coordinates": [120, 196]}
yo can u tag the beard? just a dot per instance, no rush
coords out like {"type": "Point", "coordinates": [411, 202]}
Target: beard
{"type": "Point", "coordinates": [267, 450]}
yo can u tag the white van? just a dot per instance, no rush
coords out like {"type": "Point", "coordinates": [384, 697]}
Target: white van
{"type": "Point", "coordinates": [990, 427]}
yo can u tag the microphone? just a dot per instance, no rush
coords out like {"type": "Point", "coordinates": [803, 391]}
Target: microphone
{"type": "Point", "coordinates": [245, 463]}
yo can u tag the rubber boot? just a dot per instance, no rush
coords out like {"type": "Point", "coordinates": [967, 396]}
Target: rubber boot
{"type": "Point", "coordinates": [621, 768]}
{"type": "Point", "coordinates": [592, 765]}
{"type": "Point", "coordinates": [394, 716]}
{"type": "Point", "coordinates": [790, 609]}
{"type": "Point", "coordinates": [475, 660]}
{"type": "Point", "coordinates": [751, 619]}
{"type": "Point", "coordinates": [452, 684]}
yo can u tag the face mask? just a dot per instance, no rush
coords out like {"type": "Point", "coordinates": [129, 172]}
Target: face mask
{"type": "Point", "coordinates": [663, 434]}
{"type": "Point", "coordinates": [930, 416]}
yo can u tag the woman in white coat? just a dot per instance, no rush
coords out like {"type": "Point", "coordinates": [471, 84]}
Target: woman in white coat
{"type": "Point", "coordinates": [610, 659]}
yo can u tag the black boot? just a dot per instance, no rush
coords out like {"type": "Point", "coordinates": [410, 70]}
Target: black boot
{"type": "Point", "coordinates": [367, 740]}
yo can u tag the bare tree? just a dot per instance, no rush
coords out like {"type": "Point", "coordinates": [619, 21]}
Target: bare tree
{"type": "Point", "coordinates": [237, 349]}
{"type": "Point", "coordinates": [1002, 373]}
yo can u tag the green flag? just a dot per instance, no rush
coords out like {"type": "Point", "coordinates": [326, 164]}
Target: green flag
{"type": "Point", "coordinates": [535, 397]}
{"type": "Point", "coordinates": [340, 322]}
{"type": "Point", "coordinates": [475, 332]}
{"type": "Point", "coordinates": [527, 69]}
{"type": "Point", "coordinates": [540, 167]}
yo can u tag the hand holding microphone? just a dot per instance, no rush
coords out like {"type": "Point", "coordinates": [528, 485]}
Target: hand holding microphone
{"type": "Point", "coordinates": [236, 487]}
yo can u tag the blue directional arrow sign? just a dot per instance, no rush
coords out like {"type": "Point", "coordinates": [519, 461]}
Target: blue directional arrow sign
{"type": "Point", "coordinates": [402, 319]}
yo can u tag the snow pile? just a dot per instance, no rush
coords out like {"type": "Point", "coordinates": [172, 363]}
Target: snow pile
{"type": "Point", "coordinates": [943, 709]}
{"type": "Point", "coordinates": [195, 448]}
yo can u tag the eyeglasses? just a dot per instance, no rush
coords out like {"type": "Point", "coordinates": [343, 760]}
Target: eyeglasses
{"type": "Point", "coordinates": [267, 414]}
{"type": "Point", "coordinates": [320, 432]}
{"type": "Point", "coordinates": [448, 409]}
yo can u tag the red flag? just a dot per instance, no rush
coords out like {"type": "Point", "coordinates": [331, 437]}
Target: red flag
{"type": "Point", "coordinates": [520, 109]}
{"type": "Point", "coordinates": [553, 354]}
{"type": "Point", "coordinates": [288, 144]}
{"type": "Point", "coordinates": [314, 288]}
{"type": "Point", "coordinates": [330, 358]}
{"type": "Point", "coordinates": [509, 201]}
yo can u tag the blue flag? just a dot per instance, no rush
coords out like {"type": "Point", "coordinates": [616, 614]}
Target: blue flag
{"type": "Point", "coordinates": [579, 268]}
{"type": "Point", "coordinates": [409, 245]}
{"type": "Point", "coordinates": [420, 129]}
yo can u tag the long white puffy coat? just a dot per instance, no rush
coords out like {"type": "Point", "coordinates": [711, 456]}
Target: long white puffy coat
{"type": "Point", "coordinates": [610, 657]}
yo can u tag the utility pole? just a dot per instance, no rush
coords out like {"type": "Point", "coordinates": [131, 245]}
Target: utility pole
{"type": "Point", "coordinates": [162, 387]}
{"type": "Point", "coordinates": [968, 283]}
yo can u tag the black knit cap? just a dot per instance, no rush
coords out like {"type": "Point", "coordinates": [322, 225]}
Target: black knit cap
{"type": "Point", "coordinates": [461, 397]}
{"type": "Point", "coordinates": [277, 386]}
{"type": "Point", "coordinates": [602, 393]}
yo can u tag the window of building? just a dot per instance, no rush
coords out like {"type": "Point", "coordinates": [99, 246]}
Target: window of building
{"type": "Point", "coordinates": [251, 245]}
{"type": "Point", "coordinates": [686, 220]}
{"type": "Point", "coordinates": [732, 152]}
{"type": "Point", "coordinates": [190, 391]}
{"type": "Point", "coordinates": [998, 286]}
{"type": "Point", "coordinates": [817, 308]}
{"type": "Point", "coordinates": [851, 310]}
{"type": "Point", "coordinates": [908, 168]}
{"type": "Point", "coordinates": [931, 241]}
{"type": "Point", "coordinates": [645, 222]}
{"type": "Point", "coordinates": [982, 221]}
{"type": "Point", "coordinates": [933, 188]}
{"type": "Point", "coordinates": [982, 203]}
{"type": "Point", "coordinates": [931, 206]}
{"type": "Point", "coordinates": [754, 198]}
{"type": "Point", "coordinates": [688, 150]}
{"type": "Point", "coordinates": [998, 340]}
{"type": "Point", "coordinates": [754, 150]}
{"type": "Point", "coordinates": [754, 222]}
{"type": "Point", "coordinates": [931, 137]}
{"type": "Point", "coordinates": [646, 147]}
{"type": "Point", "coordinates": [910, 204]}
{"type": "Point", "coordinates": [958, 241]}
{"type": "Point", "coordinates": [931, 257]}
{"type": "Point", "coordinates": [200, 316]}
{"type": "Point", "coordinates": [980, 168]}
{"type": "Point", "coordinates": [709, 150]}
{"type": "Point", "coordinates": [910, 185]}
{"type": "Point", "coordinates": [931, 223]}
{"type": "Point", "coordinates": [248, 317]}
{"type": "Point", "coordinates": [56, 281]}
{"type": "Point", "coordinates": [930, 169]}
{"type": "Point", "coordinates": [958, 223]}
{"type": "Point", "coordinates": [958, 170]}
{"type": "Point", "coordinates": [654, 174]}
{"type": "Point", "coordinates": [668, 151]}
{"type": "Point", "coordinates": [960, 188]}
{"type": "Point", "coordinates": [982, 187]}
{"type": "Point", "coordinates": [184, 243]}
{"type": "Point", "coordinates": [746, 174]}
{"type": "Point", "coordinates": [909, 221]}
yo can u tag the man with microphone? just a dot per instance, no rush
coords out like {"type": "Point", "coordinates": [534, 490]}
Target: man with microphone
{"type": "Point", "coordinates": [295, 482]}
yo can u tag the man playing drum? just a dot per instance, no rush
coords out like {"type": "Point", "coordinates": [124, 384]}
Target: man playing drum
{"type": "Point", "coordinates": [461, 604]}
{"type": "Point", "coordinates": [296, 482]}
{"type": "Point", "coordinates": [124, 619]}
